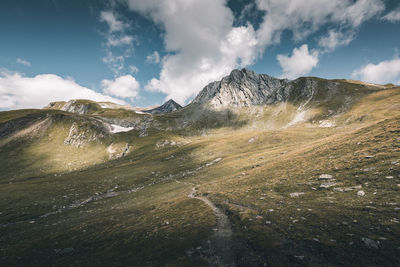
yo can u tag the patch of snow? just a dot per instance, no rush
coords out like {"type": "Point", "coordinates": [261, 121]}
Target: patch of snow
{"type": "Point", "coordinates": [140, 112]}
{"type": "Point", "coordinates": [117, 128]}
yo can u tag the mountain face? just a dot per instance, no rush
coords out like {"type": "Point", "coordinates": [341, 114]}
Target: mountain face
{"type": "Point", "coordinates": [243, 88]}
{"type": "Point", "coordinates": [168, 106]}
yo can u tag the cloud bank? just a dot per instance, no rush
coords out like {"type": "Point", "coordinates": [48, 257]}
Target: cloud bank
{"type": "Point", "coordinates": [18, 91]}
{"type": "Point", "coordinates": [384, 72]}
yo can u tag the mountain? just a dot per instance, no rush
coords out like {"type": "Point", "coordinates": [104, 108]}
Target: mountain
{"type": "Point", "coordinates": [167, 107]}
{"type": "Point", "coordinates": [245, 88]}
{"type": "Point", "coordinates": [255, 171]}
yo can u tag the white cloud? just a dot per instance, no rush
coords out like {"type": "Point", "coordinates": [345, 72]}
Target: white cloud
{"type": "Point", "coordinates": [203, 48]}
{"type": "Point", "coordinates": [126, 40]}
{"type": "Point", "coordinates": [336, 38]}
{"type": "Point", "coordinates": [133, 69]}
{"type": "Point", "coordinates": [116, 37]}
{"type": "Point", "coordinates": [392, 16]}
{"type": "Point", "coordinates": [300, 63]}
{"type": "Point", "coordinates": [153, 58]}
{"type": "Point", "coordinates": [114, 24]}
{"type": "Point", "coordinates": [18, 91]}
{"type": "Point", "coordinates": [115, 63]}
{"type": "Point", "coordinates": [304, 17]}
{"type": "Point", "coordinates": [23, 62]}
{"type": "Point", "coordinates": [124, 86]}
{"type": "Point", "coordinates": [384, 72]}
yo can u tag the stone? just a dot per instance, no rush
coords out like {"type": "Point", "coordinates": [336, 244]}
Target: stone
{"type": "Point", "coordinates": [370, 243]}
{"type": "Point", "coordinates": [327, 185]}
{"type": "Point", "coordinates": [325, 176]}
{"type": "Point", "coordinates": [296, 194]}
{"type": "Point", "coordinates": [361, 193]}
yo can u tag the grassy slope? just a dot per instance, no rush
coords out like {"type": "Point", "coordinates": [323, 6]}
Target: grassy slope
{"type": "Point", "coordinates": [159, 223]}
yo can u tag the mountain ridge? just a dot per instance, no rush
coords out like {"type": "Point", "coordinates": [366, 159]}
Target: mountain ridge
{"type": "Point", "coordinates": [244, 88]}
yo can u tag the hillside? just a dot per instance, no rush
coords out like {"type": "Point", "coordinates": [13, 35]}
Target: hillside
{"type": "Point", "coordinates": [256, 170]}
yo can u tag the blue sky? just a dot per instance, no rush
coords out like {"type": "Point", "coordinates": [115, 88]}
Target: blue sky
{"type": "Point", "coordinates": [144, 52]}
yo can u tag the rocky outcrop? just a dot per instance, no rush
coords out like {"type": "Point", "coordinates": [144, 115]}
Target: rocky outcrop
{"type": "Point", "coordinates": [80, 135]}
{"type": "Point", "coordinates": [116, 151]}
{"type": "Point", "coordinates": [77, 106]}
{"type": "Point", "coordinates": [167, 107]}
{"type": "Point", "coordinates": [72, 106]}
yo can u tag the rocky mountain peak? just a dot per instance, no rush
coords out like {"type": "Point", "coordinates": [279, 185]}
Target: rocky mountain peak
{"type": "Point", "coordinates": [242, 88]}
{"type": "Point", "coordinates": [168, 106]}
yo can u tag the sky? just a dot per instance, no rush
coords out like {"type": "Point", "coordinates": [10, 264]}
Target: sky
{"type": "Point", "coordinates": [144, 52]}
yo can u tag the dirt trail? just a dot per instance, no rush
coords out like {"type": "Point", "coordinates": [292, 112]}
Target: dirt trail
{"type": "Point", "coordinates": [221, 243]}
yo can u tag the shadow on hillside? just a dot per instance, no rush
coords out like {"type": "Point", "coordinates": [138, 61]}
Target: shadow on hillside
{"type": "Point", "coordinates": [195, 118]}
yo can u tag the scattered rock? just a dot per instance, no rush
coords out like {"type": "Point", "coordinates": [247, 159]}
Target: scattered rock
{"type": "Point", "coordinates": [389, 177]}
{"type": "Point", "coordinates": [170, 157]}
{"type": "Point", "coordinates": [346, 189]}
{"type": "Point", "coordinates": [351, 188]}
